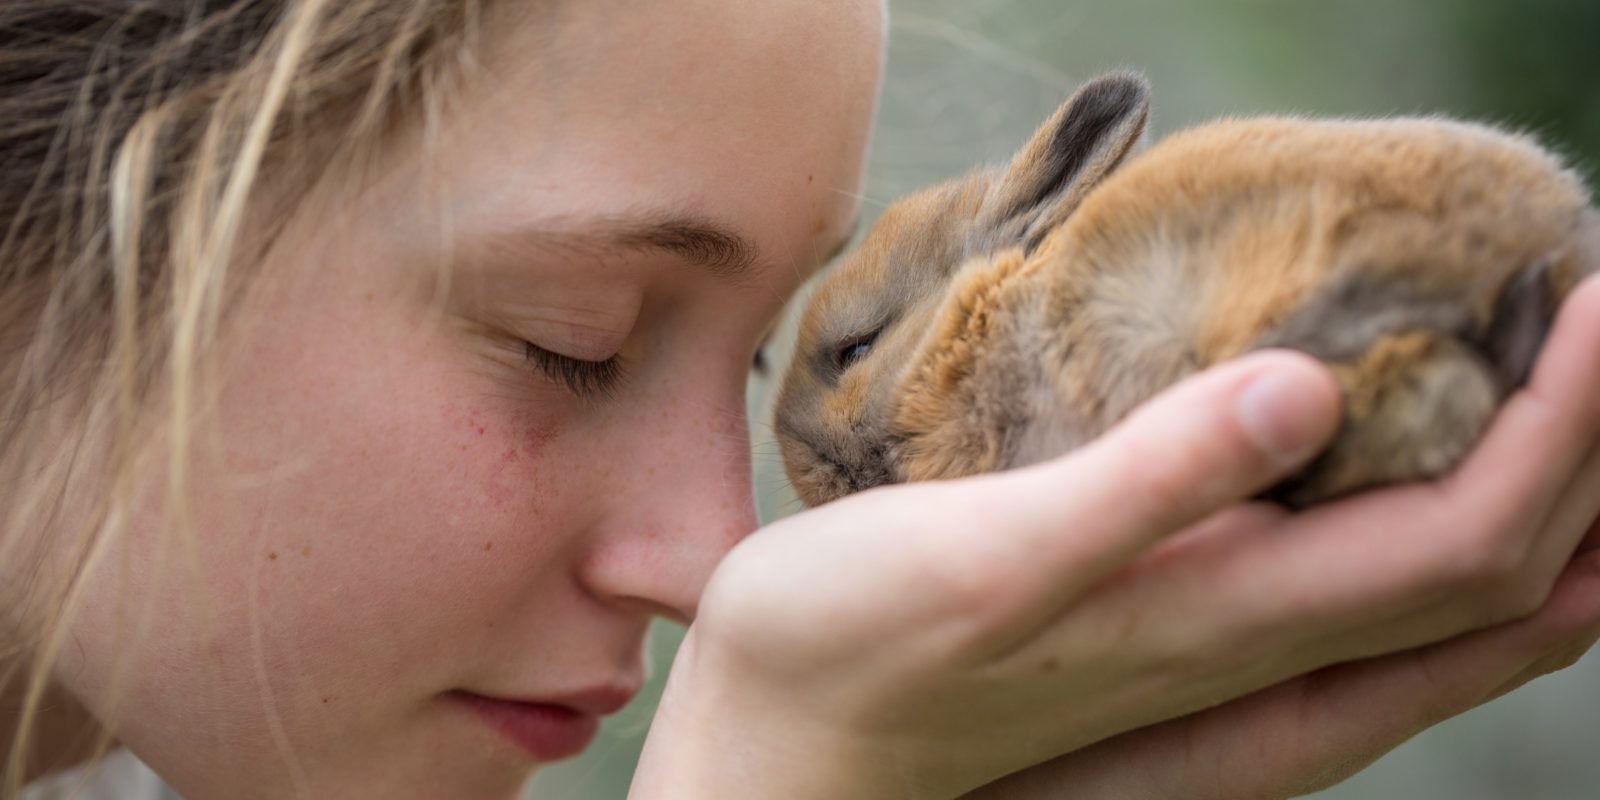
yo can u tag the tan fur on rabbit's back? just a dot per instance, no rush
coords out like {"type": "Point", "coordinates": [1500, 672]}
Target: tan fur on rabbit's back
{"type": "Point", "coordinates": [1289, 204]}
{"type": "Point", "coordinates": [1422, 259]}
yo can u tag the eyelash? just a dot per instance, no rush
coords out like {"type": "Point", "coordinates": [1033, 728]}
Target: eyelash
{"type": "Point", "coordinates": [586, 379]}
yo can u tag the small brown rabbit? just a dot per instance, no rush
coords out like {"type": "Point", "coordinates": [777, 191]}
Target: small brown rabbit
{"type": "Point", "coordinates": [1010, 316]}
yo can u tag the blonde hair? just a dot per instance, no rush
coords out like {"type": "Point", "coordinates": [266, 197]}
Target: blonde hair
{"type": "Point", "coordinates": [135, 137]}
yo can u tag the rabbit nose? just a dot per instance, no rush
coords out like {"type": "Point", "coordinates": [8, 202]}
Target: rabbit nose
{"type": "Point", "coordinates": [867, 467]}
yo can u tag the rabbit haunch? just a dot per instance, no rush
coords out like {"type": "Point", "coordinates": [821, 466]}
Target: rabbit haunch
{"type": "Point", "coordinates": [1009, 317]}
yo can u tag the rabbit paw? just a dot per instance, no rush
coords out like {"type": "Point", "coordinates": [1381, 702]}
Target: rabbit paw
{"type": "Point", "coordinates": [1415, 402]}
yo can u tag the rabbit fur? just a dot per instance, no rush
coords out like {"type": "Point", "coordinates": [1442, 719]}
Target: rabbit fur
{"type": "Point", "coordinates": [1011, 315]}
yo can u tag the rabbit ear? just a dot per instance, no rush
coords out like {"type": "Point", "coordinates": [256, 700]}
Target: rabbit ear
{"type": "Point", "coordinates": [1071, 153]}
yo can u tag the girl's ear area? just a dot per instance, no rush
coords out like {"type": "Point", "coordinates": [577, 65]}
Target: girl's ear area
{"type": "Point", "coordinates": [1081, 144]}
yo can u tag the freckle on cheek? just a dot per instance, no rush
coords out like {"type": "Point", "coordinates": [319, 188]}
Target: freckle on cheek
{"type": "Point", "coordinates": [468, 420]}
{"type": "Point", "coordinates": [502, 461]}
{"type": "Point", "coordinates": [514, 479]}
{"type": "Point", "coordinates": [536, 436]}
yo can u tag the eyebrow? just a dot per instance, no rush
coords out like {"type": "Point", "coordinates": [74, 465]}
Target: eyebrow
{"type": "Point", "coordinates": [696, 241]}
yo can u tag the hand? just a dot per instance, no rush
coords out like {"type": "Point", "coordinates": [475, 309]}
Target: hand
{"type": "Point", "coordinates": [1299, 736]}
{"type": "Point", "coordinates": [1312, 732]}
{"type": "Point", "coordinates": [921, 641]}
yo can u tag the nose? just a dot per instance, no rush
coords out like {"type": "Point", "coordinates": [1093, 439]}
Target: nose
{"type": "Point", "coordinates": [674, 506]}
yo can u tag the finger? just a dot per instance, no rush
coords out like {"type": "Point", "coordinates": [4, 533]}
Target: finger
{"type": "Point", "coordinates": [1451, 677]}
{"type": "Point", "coordinates": [1574, 347]}
{"type": "Point", "coordinates": [1209, 442]}
{"type": "Point", "coordinates": [1568, 622]}
{"type": "Point", "coordinates": [1538, 469]}
{"type": "Point", "coordinates": [1267, 588]}
{"type": "Point", "coordinates": [1399, 695]}
{"type": "Point", "coordinates": [1546, 429]}
{"type": "Point", "coordinates": [1524, 588]}
{"type": "Point", "coordinates": [1343, 592]}
{"type": "Point", "coordinates": [1455, 676]}
{"type": "Point", "coordinates": [1575, 515]}
{"type": "Point", "coordinates": [1300, 736]}
{"type": "Point", "coordinates": [1404, 694]}
{"type": "Point", "coordinates": [1515, 509]}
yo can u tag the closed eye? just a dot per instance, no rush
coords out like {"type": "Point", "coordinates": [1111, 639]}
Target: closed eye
{"type": "Point", "coordinates": [586, 379]}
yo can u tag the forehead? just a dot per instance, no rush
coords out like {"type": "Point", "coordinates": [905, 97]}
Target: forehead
{"type": "Point", "coordinates": [752, 114]}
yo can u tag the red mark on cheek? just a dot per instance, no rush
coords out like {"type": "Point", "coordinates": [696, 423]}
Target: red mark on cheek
{"type": "Point", "coordinates": [469, 420]}
{"type": "Point", "coordinates": [536, 436]}
{"type": "Point", "coordinates": [503, 460]}
{"type": "Point", "coordinates": [514, 479]}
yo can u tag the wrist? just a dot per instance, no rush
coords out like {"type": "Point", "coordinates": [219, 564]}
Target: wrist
{"type": "Point", "coordinates": [714, 738]}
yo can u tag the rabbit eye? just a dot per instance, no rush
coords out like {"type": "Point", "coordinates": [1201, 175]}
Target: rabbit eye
{"type": "Point", "coordinates": [854, 350]}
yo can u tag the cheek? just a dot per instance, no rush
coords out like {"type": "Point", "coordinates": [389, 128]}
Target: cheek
{"type": "Point", "coordinates": [502, 458]}
{"type": "Point", "coordinates": [365, 515]}
{"type": "Point", "coordinates": [429, 495]}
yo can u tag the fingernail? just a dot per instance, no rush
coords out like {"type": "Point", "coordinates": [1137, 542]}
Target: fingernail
{"type": "Point", "coordinates": [1282, 413]}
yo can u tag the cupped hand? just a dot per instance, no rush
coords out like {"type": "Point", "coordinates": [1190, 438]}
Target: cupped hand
{"type": "Point", "coordinates": [922, 641]}
{"type": "Point", "coordinates": [1313, 731]}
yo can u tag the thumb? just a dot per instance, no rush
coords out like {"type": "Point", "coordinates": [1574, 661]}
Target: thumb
{"type": "Point", "coordinates": [1210, 441]}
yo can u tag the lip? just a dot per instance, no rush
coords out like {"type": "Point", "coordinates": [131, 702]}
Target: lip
{"type": "Point", "coordinates": [547, 729]}
{"type": "Point", "coordinates": [599, 700]}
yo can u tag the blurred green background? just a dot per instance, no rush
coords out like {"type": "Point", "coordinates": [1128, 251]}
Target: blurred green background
{"type": "Point", "coordinates": [969, 79]}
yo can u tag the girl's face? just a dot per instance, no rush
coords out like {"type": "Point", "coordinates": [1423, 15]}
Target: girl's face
{"type": "Point", "coordinates": [479, 425]}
